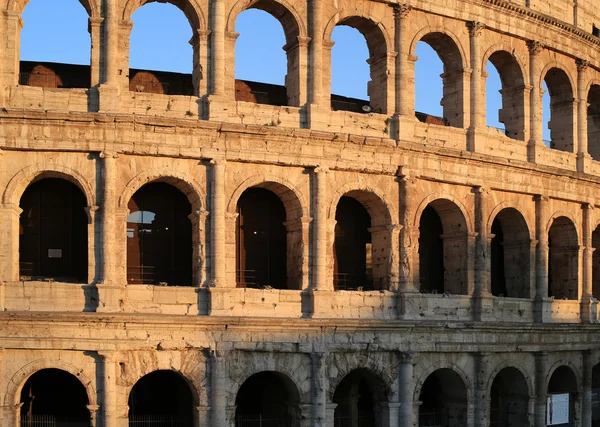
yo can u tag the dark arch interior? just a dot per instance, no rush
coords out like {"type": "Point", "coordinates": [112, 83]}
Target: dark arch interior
{"type": "Point", "coordinates": [353, 252]}
{"type": "Point", "coordinates": [159, 236]}
{"type": "Point", "coordinates": [161, 398]}
{"type": "Point", "coordinates": [563, 260]}
{"type": "Point", "coordinates": [593, 122]}
{"type": "Point", "coordinates": [53, 231]}
{"type": "Point", "coordinates": [509, 399]}
{"type": "Point", "coordinates": [561, 110]}
{"type": "Point", "coordinates": [510, 255]}
{"type": "Point", "coordinates": [444, 400]}
{"type": "Point", "coordinates": [358, 397]}
{"type": "Point", "coordinates": [431, 252]}
{"type": "Point", "coordinates": [261, 240]}
{"type": "Point", "coordinates": [596, 263]}
{"type": "Point", "coordinates": [54, 397]}
{"type": "Point", "coordinates": [267, 399]}
{"type": "Point", "coordinates": [562, 382]}
{"type": "Point", "coordinates": [596, 396]}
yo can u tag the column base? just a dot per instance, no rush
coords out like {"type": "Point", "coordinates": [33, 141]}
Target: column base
{"type": "Point", "coordinates": [589, 310]}
{"type": "Point", "coordinates": [543, 310]}
{"type": "Point", "coordinates": [535, 151]}
{"type": "Point", "coordinates": [483, 307]}
{"type": "Point", "coordinates": [220, 109]}
{"type": "Point", "coordinates": [110, 298]}
{"type": "Point", "coordinates": [108, 99]}
{"type": "Point", "coordinates": [584, 163]}
{"type": "Point", "coordinates": [317, 303]}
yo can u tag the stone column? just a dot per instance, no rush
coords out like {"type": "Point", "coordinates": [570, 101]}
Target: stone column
{"type": "Point", "coordinates": [588, 253]}
{"type": "Point", "coordinates": [404, 105]}
{"type": "Point", "coordinates": [297, 71]}
{"type": "Point", "coordinates": [541, 256]}
{"type": "Point", "coordinates": [481, 398]}
{"type": "Point", "coordinates": [319, 390]}
{"type": "Point", "coordinates": [390, 414]}
{"type": "Point", "coordinates": [541, 388]}
{"type": "Point", "coordinates": [330, 415]}
{"type": "Point", "coordinates": [535, 143]}
{"type": "Point", "coordinates": [109, 75]}
{"type": "Point", "coordinates": [320, 244]}
{"type": "Point", "coordinates": [481, 290]}
{"type": "Point", "coordinates": [109, 388]}
{"type": "Point", "coordinates": [315, 52]}
{"type": "Point", "coordinates": [218, 222]}
{"type": "Point", "coordinates": [405, 380]}
{"type": "Point", "coordinates": [409, 275]}
{"type": "Point", "coordinates": [477, 98]}
{"type": "Point", "coordinates": [109, 288]}
{"type": "Point", "coordinates": [217, 53]}
{"type": "Point", "coordinates": [582, 151]}
{"type": "Point", "coordinates": [96, 55]}
{"type": "Point", "coordinates": [220, 410]}
{"type": "Point", "coordinates": [586, 395]}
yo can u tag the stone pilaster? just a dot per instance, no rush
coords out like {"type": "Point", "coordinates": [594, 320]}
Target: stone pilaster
{"type": "Point", "coordinates": [315, 54]}
{"type": "Point", "coordinates": [583, 156]}
{"type": "Point", "coordinates": [588, 253]}
{"type": "Point", "coordinates": [541, 256]}
{"type": "Point", "coordinates": [11, 35]}
{"type": "Point", "coordinates": [481, 297]}
{"type": "Point", "coordinates": [109, 289]}
{"type": "Point", "coordinates": [320, 279]}
{"type": "Point", "coordinates": [405, 381]}
{"type": "Point", "coordinates": [535, 143]}
{"type": "Point", "coordinates": [221, 413]}
{"type": "Point", "coordinates": [477, 95]}
{"type": "Point", "coordinates": [482, 400]}
{"type": "Point", "coordinates": [319, 390]}
{"type": "Point", "coordinates": [586, 390]}
{"type": "Point", "coordinates": [109, 74]}
{"type": "Point", "coordinates": [217, 36]}
{"type": "Point", "coordinates": [96, 54]}
{"type": "Point", "coordinates": [541, 390]}
{"type": "Point", "coordinates": [93, 414]}
{"type": "Point", "coordinates": [218, 223]}
{"type": "Point", "coordinates": [108, 395]}
{"type": "Point", "coordinates": [9, 242]}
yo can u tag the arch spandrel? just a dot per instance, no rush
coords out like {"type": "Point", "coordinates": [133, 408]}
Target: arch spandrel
{"type": "Point", "coordinates": [21, 180]}
{"type": "Point", "coordinates": [190, 8]}
{"type": "Point", "coordinates": [291, 20]}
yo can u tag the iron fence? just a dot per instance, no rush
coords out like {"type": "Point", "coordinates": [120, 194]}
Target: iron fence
{"type": "Point", "coordinates": [364, 419]}
{"type": "Point", "coordinates": [150, 420]}
{"type": "Point", "coordinates": [51, 421]}
{"type": "Point", "coordinates": [261, 420]}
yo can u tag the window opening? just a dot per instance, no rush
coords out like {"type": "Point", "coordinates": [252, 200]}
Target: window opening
{"type": "Point", "coordinates": [444, 400]}
{"type": "Point", "coordinates": [429, 87]}
{"type": "Point", "coordinates": [431, 252]}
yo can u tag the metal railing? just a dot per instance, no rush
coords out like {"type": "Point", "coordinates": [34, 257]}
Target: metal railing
{"type": "Point", "coordinates": [433, 418]}
{"type": "Point", "coordinates": [364, 419]}
{"type": "Point", "coordinates": [261, 420]}
{"type": "Point", "coordinates": [153, 420]}
{"type": "Point", "coordinates": [51, 421]}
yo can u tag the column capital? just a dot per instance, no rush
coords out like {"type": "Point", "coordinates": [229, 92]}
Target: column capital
{"type": "Point", "coordinates": [321, 169]}
{"type": "Point", "coordinates": [217, 161]}
{"type": "Point", "coordinates": [109, 356]}
{"type": "Point", "coordinates": [108, 154]}
{"type": "Point", "coordinates": [541, 198]}
{"type": "Point", "coordinates": [588, 206]}
{"type": "Point", "coordinates": [582, 64]}
{"type": "Point", "coordinates": [535, 47]}
{"type": "Point", "coordinates": [408, 357]}
{"type": "Point", "coordinates": [402, 11]}
{"type": "Point", "coordinates": [475, 28]}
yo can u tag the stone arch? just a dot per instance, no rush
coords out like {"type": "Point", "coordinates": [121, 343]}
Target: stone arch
{"type": "Point", "coordinates": [567, 215]}
{"type": "Point", "coordinates": [563, 258]}
{"type": "Point", "coordinates": [561, 88]}
{"type": "Point", "coordinates": [568, 364]}
{"type": "Point", "coordinates": [509, 364]}
{"type": "Point", "coordinates": [504, 47]}
{"type": "Point", "coordinates": [182, 181]}
{"type": "Point", "coordinates": [190, 8]}
{"type": "Point", "coordinates": [423, 32]}
{"type": "Point", "coordinates": [295, 203]}
{"type": "Point", "coordinates": [282, 10]}
{"type": "Point", "coordinates": [556, 65]}
{"type": "Point", "coordinates": [92, 7]}
{"type": "Point", "coordinates": [507, 205]}
{"type": "Point", "coordinates": [372, 198]}
{"type": "Point", "coordinates": [435, 197]}
{"type": "Point", "coordinates": [26, 176]}
{"type": "Point", "coordinates": [436, 367]}
{"type": "Point", "coordinates": [383, 374]}
{"type": "Point", "coordinates": [379, 40]}
{"type": "Point", "coordinates": [195, 388]}
{"type": "Point", "coordinates": [593, 118]}
{"type": "Point", "coordinates": [17, 381]}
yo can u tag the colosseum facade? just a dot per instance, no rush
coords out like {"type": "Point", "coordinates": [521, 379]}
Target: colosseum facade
{"type": "Point", "coordinates": [208, 257]}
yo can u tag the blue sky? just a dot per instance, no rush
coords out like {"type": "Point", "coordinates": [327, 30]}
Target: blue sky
{"type": "Point", "coordinates": [159, 41]}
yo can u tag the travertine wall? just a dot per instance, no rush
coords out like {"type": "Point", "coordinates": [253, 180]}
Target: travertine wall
{"type": "Point", "coordinates": [110, 142]}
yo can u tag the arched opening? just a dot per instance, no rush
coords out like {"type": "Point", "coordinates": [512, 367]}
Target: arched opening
{"type": "Point", "coordinates": [563, 398]}
{"type": "Point", "coordinates": [53, 232]}
{"type": "Point", "coordinates": [596, 263]}
{"type": "Point", "coordinates": [54, 397]}
{"type": "Point", "coordinates": [161, 398]}
{"type": "Point", "coordinates": [545, 115]}
{"type": "Point", "coordinates": [510, 255]}
{"type": "Point", "coordinates": [261, 240]}
{"type": "Point", "coordinates": [443, 249]}
{"type": "Point", "coordinates": [261, 36]}
{"type": "Point", "coordinates": [429, 87]}
{"type": "Point", "coordinates": [159, 236]}
{"type": "Point", "coordinates": [505, 89]}
{"type": "Point", "coordinates": [452, 100]}
{"type": "Point", "coordinates": [267, 399]}
{"type": "Point", "coordinates": [563, 265]}
{"type": "Point", "coordinates": [596, 396]}
{"type": "Point", "coordinates": [444, 400]}
{"type": "Point", "coordinates": [61, 57]}
{"type": "Point", "coordinates": [593, 122]}
{"type": "Point", "coordinates": [356, 40]}
{"type": "Point", "coordinates": [561, 110]}
{"type": "Point", "coordinates": [509, 403]}
{"type": "Point", "coordinates": [161, 58]}
{"type": "Point", "coordinates": [359, 398]}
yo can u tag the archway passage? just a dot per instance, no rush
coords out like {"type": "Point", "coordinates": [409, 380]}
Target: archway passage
{"type": "Point", "coordinates": [444, 400]}
{"type": "Point", "coordinates": [358, 398]}
{"type": "Point", "coordinates": [443, 249]}
{"type": "Point", "coordinates": [53, 397]}
{"type": "Point", "coordinates": [261, 240]}
{"type": "Point", "coordinates": [563, 398]}
{"type": "Point", "coordinates": [510, 255]}
{"type": "Point", "coordinates": [267, 399]}
{"type": "Point", "coordinates": [509, 399]}
{"type": "Point", "coordinates": [161, 398]}
{"type": "Point", "coordinates": [593, 122]}
{"type": "Point", "coordinates": [563, 266]}
{"type": "Point", "coordinates": [596, 263]}
{"type": "Point", "coordinates": [53, 235]}
{"type": "Point", "coordinates": [561, 110]}
{"type": "Point", "coordinates": [512, 111]}
{"type": "Point", "coordinates": [353, 248]}
{"type": "Point", "coordinates": [596, 396]}
{"type": "Point", "coordinates": [159, 236]}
